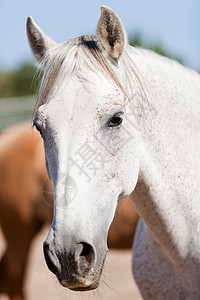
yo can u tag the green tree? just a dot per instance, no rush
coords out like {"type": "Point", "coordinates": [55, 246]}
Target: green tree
{"type": "Point", "coordinates": [20, 82]}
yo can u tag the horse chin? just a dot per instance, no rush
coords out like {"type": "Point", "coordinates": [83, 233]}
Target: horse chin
{"type": "Point", "coordinates": [81, 285]}
{"type": "Point", "coordinates": [85, 288]}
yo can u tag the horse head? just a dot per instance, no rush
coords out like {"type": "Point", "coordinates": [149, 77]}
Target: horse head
{"type": "Point", "coordinates": [90, 140]}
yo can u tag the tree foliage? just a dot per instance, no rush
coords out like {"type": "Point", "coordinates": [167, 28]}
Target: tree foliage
{"type": "Point", "coordinates": [19, 82]}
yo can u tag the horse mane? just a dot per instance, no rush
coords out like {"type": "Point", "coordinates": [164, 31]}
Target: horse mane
{"type": "Point", "coordinates": [68, 59]}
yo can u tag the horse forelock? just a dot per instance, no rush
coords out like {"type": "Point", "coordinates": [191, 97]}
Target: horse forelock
{"type": "Point", "coordinates": [65, 61]}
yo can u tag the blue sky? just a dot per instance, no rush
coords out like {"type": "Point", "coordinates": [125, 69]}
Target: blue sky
{"type": "Point", "coordinates": [175, 24]}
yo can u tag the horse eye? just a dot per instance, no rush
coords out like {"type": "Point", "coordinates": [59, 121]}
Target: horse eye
{"type": "Point", "coordinates": [38, 128]}
{"type": "Point", "coordinates": [115, 121]}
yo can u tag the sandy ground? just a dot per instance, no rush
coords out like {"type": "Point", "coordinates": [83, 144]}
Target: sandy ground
{"type": "Point", "coordinates": [117, 282]}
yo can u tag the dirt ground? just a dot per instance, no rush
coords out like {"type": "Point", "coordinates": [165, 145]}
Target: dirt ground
{"type": "Point", "coordinates": [117, 282]}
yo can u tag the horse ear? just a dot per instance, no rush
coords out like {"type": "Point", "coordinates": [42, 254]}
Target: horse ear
{"type": "Point", "coordinates": [38, 40]}
{"type": "Point", "coordinates": [111, 33]}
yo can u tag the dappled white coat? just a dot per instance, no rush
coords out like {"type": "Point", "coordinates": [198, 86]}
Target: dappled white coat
{"type": "Point", "coordinates": [166, 253]}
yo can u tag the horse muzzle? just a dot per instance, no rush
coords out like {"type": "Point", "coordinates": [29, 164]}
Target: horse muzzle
{"type": "Point", "coordinates": [77, 268]}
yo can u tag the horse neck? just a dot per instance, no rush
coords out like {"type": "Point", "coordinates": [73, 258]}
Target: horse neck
{"type": "Point", "coordinates": [167, 194]}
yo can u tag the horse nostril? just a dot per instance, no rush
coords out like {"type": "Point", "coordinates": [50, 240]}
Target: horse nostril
{"type": "Point", "coordinates": [86, 256]}
{"type": "Point", "coordinates": [48, 260]}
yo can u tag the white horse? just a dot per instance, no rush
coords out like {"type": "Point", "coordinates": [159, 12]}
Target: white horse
{"type": "Point", "coordinates": [120, 121]}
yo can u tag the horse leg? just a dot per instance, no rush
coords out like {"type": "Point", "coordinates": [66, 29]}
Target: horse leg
{"type": "Point", "coordinates": [12, 274]}
{"type": "Point", "coordinates": [13, 263]}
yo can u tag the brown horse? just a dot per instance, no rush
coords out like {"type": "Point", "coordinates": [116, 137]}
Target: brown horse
{"type": "Point", "coordinates": [26, 200]}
